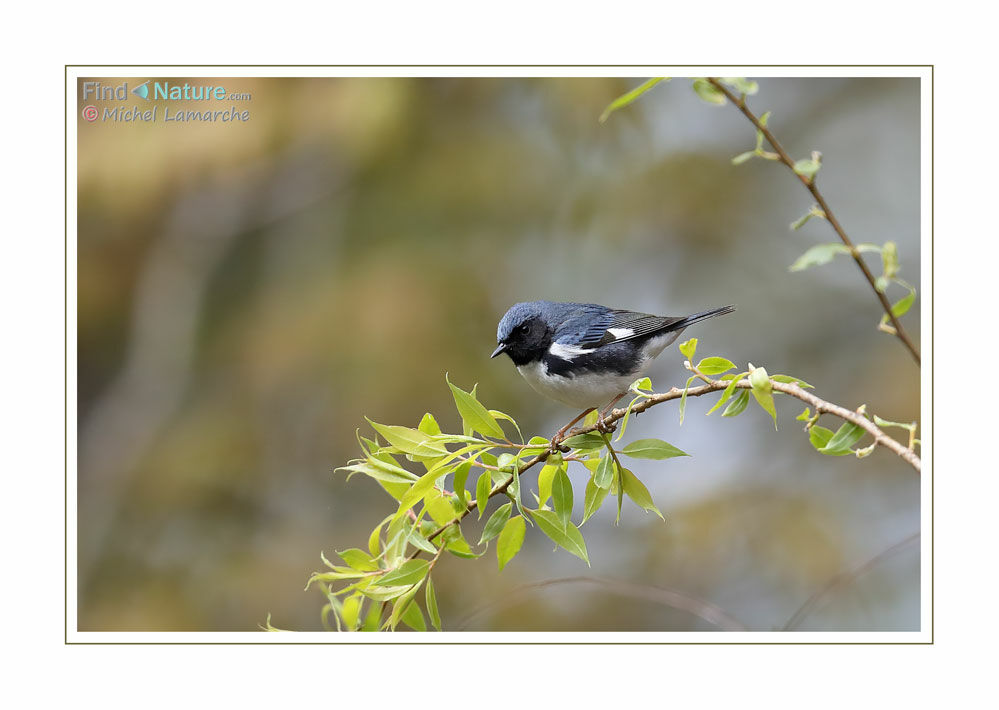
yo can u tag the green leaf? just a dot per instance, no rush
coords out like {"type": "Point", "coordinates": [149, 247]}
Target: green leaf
{"type": "Point", "coordinates": [460, 478]}
{"type": "Point", "coordinates": [640, 385]}
{"type": "Point", "coordinates": [432, 610]}
{"type": "Point", "coordinates": [637, 491]}
{"type": "Point", "coordinates": [407, 573]}
{"type": "Point", "coordinates": [374, 539]}
{"type": "Point", "coordinates": [593, 499]}
{"type": "Point", "coordinates": [496, 522]}
{"type": "Point", "coordinates": [738, 405]}
{"type": "Point", "coordinates": [804, 416]}
{"type": "Point", "coordinates": [743, 157]}
{"type": "Point", "coordinates": [380, 473]}
{"type": "Point", "coordinates": [766, 401]}
{"type": "Point", "coordinates": [741, 85]}
{"type": "Point", "coordinates": [807, 167]}
{"type": "Point", "coordinates": [655, 449]}
{"type": "Point", "coordinates": [411, 441]}
{"type": "Point", "coordinates": [624, 419]}
{"type": "Point", "coordinates": [384, 594]}
{"type": "Point", "coordinates": [714, 365]}
{"type": "Point", "coordinates": [429, 425]}
{"type": "Point", "coordinates": [418, 491]}
{"type": "Point", "coordinates": [688, 348]}
{"type": "Point", "coordinates": [545, 479]}
{"type": "Point", "coordinates": [562, 495]}
{"type": "Point", "coordinates": [728, 391]}
{"type": "Point", "coordinates": [901, 307]}
{"type": "Point", "coordinates": [457, 545]}
{"type": "Point", "coordinates": [760, 380]}
{"type": "Point", "coordinates": [332, 577]}
{"type": "Point", "coordinates": [500, 415]}
{"type": "Point", "coordinates": [589, 440]}
{"type": "Point", "coordinates": [813, 211]}
{"type": "Point", "coordinates": [604, 474]}
{"type": "Point", "coordinates": [358, 559]}
{"type": "Point", "coordinates": [417, 539]}
{"type": "Point", "coordinates": [629, 97]}
{"type": "Point", "coordinates": [911, 427]}
{"type": "Point", "coordinates": [762, 391]}
{"type": "Point", "coordinates": [439, 507]}
{"type": "Point", "coordinates": [351, 611]}
{"type": "Point", "coordinates": [844, 439]}
{"type": "Point", "coordinates": [618, 487]}
{"type": "Point", "coordinates": [537, 445]}
{"type": "Point", "coordinates": [819, 436]}
{"type": "Point", "coordinates": [683, 397]}
{"type": "Point", "coordinates": [482, 488]}
{"type": "Point", "coordinates": [708, 92]}
{"type": "Point", "coordinates": [474, 414]}
{"type": "Point", "coordinates": [760, 137]}
{"type": "Point", "coordinates": [568, 537]}
{"type": "Point", "coordinates": [413, 617]}
{"type": "Point", "coordinates": [510, 540]}
{"type": "Point", "coordinates": [402, 605]}
{"type": "Point", "coordinates": [889, 260]}
{"type": "Point", "coordinates": [513, 490]}
{"type": "Point", "coordinates": [788, 379]}
{"type": "Point", "coordinates": [373, 618]}
{"type": "Point", "coordinates": [818, 255]}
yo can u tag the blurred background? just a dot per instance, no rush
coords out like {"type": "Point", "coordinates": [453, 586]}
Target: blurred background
{"type": "Point", "coordinates": [249, 291]}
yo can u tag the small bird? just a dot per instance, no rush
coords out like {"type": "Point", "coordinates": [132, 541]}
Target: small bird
{"type": "Point", "coordinates": [583, 354]}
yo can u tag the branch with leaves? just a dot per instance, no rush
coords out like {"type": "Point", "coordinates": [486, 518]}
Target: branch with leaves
{"type": "Point", "coordinates": [806, 170]}
{"type": "Point", "coordinates": [379, 586]}
{"type": "Point", "coordinates": [734, 90]}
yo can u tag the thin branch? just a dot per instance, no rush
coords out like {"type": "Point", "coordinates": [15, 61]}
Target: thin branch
{"type": "Point", "coordinates": [844, 578]}
{"type": "Point", "coordinates": [705, 610]}
{"type": "Point", "coordinates": [821, 407]}
{"type": "Point", "coordinates": [809, 183]}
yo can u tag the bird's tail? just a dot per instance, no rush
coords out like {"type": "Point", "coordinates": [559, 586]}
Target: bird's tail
{"type": "Point", "coordinates": [698, 317]}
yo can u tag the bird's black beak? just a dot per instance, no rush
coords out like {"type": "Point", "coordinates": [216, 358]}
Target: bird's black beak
{"type": "Point", "coordinates": [500, 348]}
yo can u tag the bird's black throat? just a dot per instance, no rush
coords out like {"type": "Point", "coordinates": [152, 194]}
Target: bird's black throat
{"type": "Point", "coordinates": [528, 342]}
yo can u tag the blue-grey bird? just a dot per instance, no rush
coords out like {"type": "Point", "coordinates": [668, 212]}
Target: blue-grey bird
{"type": "Point", "coordinates": [583, 354]}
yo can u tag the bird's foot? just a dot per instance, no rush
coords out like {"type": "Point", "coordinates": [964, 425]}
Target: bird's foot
{"type": "Point", "coordinates": [605, 427]}
{"type": "Point", "coordinates": [564, 432]}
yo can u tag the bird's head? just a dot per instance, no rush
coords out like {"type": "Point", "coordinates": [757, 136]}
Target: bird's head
{"type": "Point", "coordinates": [524, 333]}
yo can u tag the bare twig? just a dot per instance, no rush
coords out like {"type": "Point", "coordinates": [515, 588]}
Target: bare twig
{"type": "Point", "coordinates": [700, 608]}
{"type": "Point", "coordinates": [740, 103]}
{"type": "Point", "coordinates": [844, 578]}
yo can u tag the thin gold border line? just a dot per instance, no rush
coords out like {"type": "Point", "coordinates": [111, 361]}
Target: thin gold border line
{"type": "Point", "coordinates": [66, 640]}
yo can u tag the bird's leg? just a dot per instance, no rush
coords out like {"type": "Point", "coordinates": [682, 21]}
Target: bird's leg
{"type": "Point", "coordinates": [560, 434]}
{"type": "Point", "coordinates": [601, 425]}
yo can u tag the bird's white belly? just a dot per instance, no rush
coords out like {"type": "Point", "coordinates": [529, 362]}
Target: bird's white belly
{"type": "Point", "coordinates": [582, 392]}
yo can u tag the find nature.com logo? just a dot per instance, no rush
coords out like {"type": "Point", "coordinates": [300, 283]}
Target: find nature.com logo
{"type": "Point", "coordinates": [162, 91]}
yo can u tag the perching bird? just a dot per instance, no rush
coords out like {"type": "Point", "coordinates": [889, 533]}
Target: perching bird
{"type": "Point", "coordinates": [583, 354]}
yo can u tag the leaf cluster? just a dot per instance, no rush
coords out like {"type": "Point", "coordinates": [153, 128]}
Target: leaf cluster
{"type": "Point", "coordinates": [437, 479]}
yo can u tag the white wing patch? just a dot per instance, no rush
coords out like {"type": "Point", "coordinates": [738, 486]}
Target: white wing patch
{"type": "Point", "coordinates": [620, 333]}
{"type": "Point", "coordinates": [568, 352]}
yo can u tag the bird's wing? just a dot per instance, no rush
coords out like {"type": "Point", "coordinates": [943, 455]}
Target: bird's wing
{"type": "Point", "coordinates": [616, 325]}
